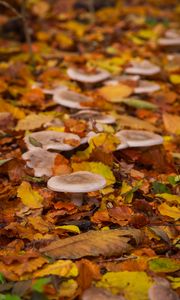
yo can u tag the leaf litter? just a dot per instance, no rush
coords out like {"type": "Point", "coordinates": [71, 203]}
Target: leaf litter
{"type": "Point", "coordinates": [119, 242]}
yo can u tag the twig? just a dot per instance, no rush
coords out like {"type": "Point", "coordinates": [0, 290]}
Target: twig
{"type": "Point", "coordinates": [7, 5]}
{"type": "Point", "coordinates": [92, 10]}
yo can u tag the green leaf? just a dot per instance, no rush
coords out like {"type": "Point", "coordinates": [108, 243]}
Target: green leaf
{"type": "Point", "coordinates": [159, 188]}
{"type": "Point", "coordinates": [9, 297]}
{"type": "Point", "coordinates": [174, 179]}
{"type": "Point", "coordinates": [139, 103]}
{"type": "Point", "coordinates": [34, 142]}
{"type": "Point", "coordinates": [163, 264]}
{"type": "Point", "coordinates": [39, 284]}
{"type": "Point", "coordinates": [1, 278]}
{"type": "Point", "coordinates": [3, 161]}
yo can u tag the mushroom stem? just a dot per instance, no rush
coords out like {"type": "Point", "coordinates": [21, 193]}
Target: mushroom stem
{"type": "Point", "coordinates": [77, 199]}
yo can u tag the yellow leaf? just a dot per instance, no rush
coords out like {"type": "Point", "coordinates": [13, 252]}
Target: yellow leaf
{"type": "Point", "coordinates": [175, 78]}
{"type": "Point", "coordinates": [68, 288]}
{"type": "Point", "coordinates": [170, 211]}
{"type": "Point", "coordinates": [28, 196]}
{"type": "Point", "coordinates": [125, 187]}
{"type": "Point", "coordinates": [125, 121]}
{"type": "Point", "coordinates": [15, 111]}
{"type": "Point", "coordinates": [53, 128]}
{"type": "Point", "coordinates": [33, 121]}
{"type": "Point", "coordinates": [115, 93]}
{"type": "Point", "coordinates": [171, 123]}
{"type": "Point", "coordinates": [63, 268]}
{"type": "Point", "coordinates": [95, 167]}
{"type": "Point", "coordinates": [71, 228]}
{"type": "Point", "coordinates": [133, 285]}
{"type": "Point", "coordinates": [78, 28]}
{"type": "Point", "coordinates": [105, 141]}
{"type": "Point", "coordinates": [169, 197]}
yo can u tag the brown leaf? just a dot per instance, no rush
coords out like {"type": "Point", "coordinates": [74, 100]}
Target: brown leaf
{"type": "Point", "coordinates": [93, 243]}
{"type": "Point", "coordinates": [171, 123]}
{"type": "Point", "coordinates": [88, 271]}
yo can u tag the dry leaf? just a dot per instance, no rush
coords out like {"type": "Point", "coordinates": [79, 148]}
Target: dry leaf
{"type": "Point", "coordinates": [33, 121]}
{"type": "Point", "coordinates": [125, 121]}
{"type": "Point", "coordinates": [171, 123]}
{"type": "Point", "coordinates": [93, 243]}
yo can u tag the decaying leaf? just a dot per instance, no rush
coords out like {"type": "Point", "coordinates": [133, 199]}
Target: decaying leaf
{"type": "Point", "coordinates": [125, 121]}
{"type": "Point", "coordinates": [171, 123]}
{"type": "Point", "coordinates": [108, 243]}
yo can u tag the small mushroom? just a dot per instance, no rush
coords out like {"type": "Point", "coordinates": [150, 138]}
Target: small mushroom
{"type": "Point", "coordinates": [41, 161]}
{"type": "Point", "coordinates": [120, 79]}
{"type": "Point", "coordinates": [146, 86]}
{"type": "Point", "coordinates": [140, 138]}
{"type": "Point", "coordinates": [94, 116]}
{"type": "Point", "coordinates": [82, 76]}
{"type": "Point", "coordinates": [77, 183]}
{"type": "Point", "coordinates": [53, 140]}
{"type": "Point", "coordinates": [171, 38]}
{"type": "Point", "coordinates": [71, 99]}
{"type": "Point", "coordinates": [143, 67]}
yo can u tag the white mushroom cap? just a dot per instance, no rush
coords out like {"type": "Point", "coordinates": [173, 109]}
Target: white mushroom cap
{"type": "Point", "coordinates": [70, 99]}
{"type": "Point", "coordinates": [77, 182]}
{"type": "Point", "coordinates": [172, 34]}
{"type": "Point", "coordinates": [95, 116]}
{"type": "Point", "coordinates": [51, 140]}
{"type": "Point", "coordinates": [140, 138]}
{"type": "Point", "coordinates": [55, 90]}
{"type": "Point", "coordinates": [166, 41]}
{"type": "Point", "coordinates": [116, 80]}
{"type": "Point", "coordinates": [143, 67]}
{"type": "Point", "coordinates": [146, 87]}
{"type": "Point", "coordinates": [40, 160]}
{"type": "Point", "coordinates": [80, 75]}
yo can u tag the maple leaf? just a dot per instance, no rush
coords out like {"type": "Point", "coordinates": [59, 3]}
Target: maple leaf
{"type": "Point", "coordinates": [28, 196]}
{"type": "Point", "coordinates": [108, 243]}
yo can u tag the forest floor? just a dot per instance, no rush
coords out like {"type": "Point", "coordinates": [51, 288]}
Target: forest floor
{"type": "Point", "coordinates": [102, 86]}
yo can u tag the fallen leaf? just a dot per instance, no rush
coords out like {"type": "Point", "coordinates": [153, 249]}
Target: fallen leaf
{"type": "Point", "coordinates": [108, 243]}
{"type": "Point", "coordinates": [175, 78]}
{"type": "Point", "coordinates": [70, 228]}
{"type": "Point", "coordinates": [95, 167]}
{"type": "Point", "coordinates": [33, 121]}
{"type": "Point", "coordinates": [63, 268]}
{"type": "Point", "coordinates": [15, 111]}
{"type": "Point", "coordinates": [171, 123]}
{"type": "Point", "coordinates": [133, 285]}
{"type": "Point", "coordinates": [28, 196]}
{"type": "Point", "coordinates": [170, 211]}
{"type": "Point", "coordinates": [169, 197]}
{"type": "Point", "coordinates": [115, 93]}
{"type": "Point", "coordinates": [164, 264]}
{"type": "Point", "coordinates": [125, 121]}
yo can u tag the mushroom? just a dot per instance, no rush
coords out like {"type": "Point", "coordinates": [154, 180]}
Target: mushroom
{"type": "Point", "coordinates": [77, 183]}
{"type": "Point", "coordinates": [116, 80]}
{"type": "Point", "coordinates": [41, 161]}
{"type": "Point", "coordinates": [50, 139]}
{"type": "Point", "coordinates": [171, 38]}
{"type": "Point", "coordinates": [49, 91]}
{"type": "Point", "coordinates": [71, 99]}
{"type": "Point", "coordinates": [140, 138]}
{"type": "Point", "coordinates": [146, 86]}
{"type": "Point", "coordinates": [94, 116]}
{"type": "Point", "coordinates": [82, 76]}
{"type": "Point", "coordinates": [143, 67]}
